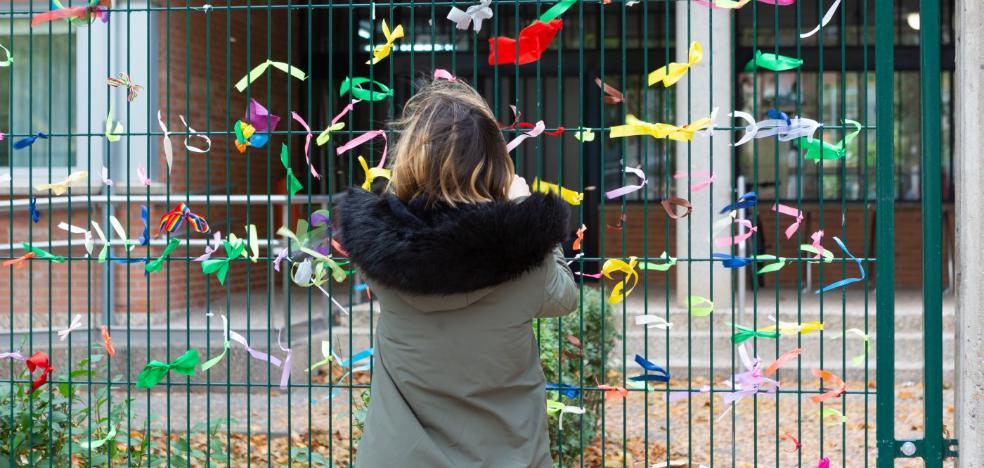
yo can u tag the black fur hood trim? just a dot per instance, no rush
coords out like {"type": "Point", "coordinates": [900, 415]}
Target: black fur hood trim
{"type": "Point", "coordinates": [438, 249]}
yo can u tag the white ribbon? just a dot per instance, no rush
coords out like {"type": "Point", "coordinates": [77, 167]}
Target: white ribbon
{"type": "Point", "coordinates": [535, 132]}
{"type": "Point", "coordinates": [568, 409]}
{"type": "Point", "coordinates": [75, 325]}
{"type": "Point", "coordinates": [826, 19]}
{"type": "Point", "coordinates": [78, 230]}
{"type": "Point", "coordinates": [194, 134]}
{"type": "Point", "coordinates": [474, 14]}
{"type": "Point", "coordinates": [750, 130]}
{"type": "Point", "coordinates": [653, 321]}
{"type": "Point", "coordinates": [105, 176]}
{"type": "Point", "coordinates": [166, 142]}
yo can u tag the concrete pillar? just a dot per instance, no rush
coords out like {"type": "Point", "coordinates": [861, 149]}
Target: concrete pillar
{"type": "Point", "coordinates": [969, 104]}
{"type": "Point", "coordinates": [697, 94]}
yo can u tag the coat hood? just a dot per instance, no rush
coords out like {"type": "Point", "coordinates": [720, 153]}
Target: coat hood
{"type": "Point", "coordinates": [435, 249]}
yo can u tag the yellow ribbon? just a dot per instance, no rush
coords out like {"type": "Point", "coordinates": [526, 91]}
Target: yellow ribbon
{"type": "Point", "coordinates": [635, 127]}
{"type": "Point", "coordinates": [325, 135]}
{"type": "Point", "coordinates": [112, 133]}
{"type": "Point", "coordinates": [372, 173]}
{"type": "Point", "coordinates": [613, 265]}
{"type": "Point", "coordinates": [787, 328]}
{"type": "Point", "coordinates": [584, 135]}
{"type": "Point", "coordinates": [674, 71]}
{"type": "Point", "coordinates": [260, 69]}
{"type": "Point", "coordinates": [59, 188]}
{"type": "Point", "coordinates": [382, 51]}
{"type": "Point", "coordinates": [700, 306]}
{"type": "Point", "coordinates": [568, 195]}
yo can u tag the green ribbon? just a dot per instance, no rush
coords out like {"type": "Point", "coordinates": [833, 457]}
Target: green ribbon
{"type": "Point", "coordinates": [773, 62]}
{"type": "Point", "coordinates": [817, 149]}
{"type": "Point", "coordinates": [9, 60]}
{"type": "Point", "coordinates": [158, 263]}
{"type": "Point", "coordinates": [554, 407]}
{"type": "Point", "coordinates": [326, 357]}
{"type": "Point", "coordinates": [827, 255]}
{"type": "Point", "coordinates": [220, 266]}
{"type": "Point", "coordinates": [155, 371]}
{"type": "Point", "coordinates": [744, 333]}
{"type": "Point", "coordinates": [781, 262]}
{"type": "Point", "coordinates": [212, 362]}
{"type": "Point", "coordinates": [668, 262]}
{"type": "Point", "coordinates": [700, 306]}
{"type": "Point", "coordinates": [42, 254]}
{"type": "Point", "coordinates": [293, 185]}
{"type": "Point", "coordinates": [558, 9]}
{"type": "Point", "coordinates": [352, 85]}
{"type": "Point", "coordinates": [94, 444]}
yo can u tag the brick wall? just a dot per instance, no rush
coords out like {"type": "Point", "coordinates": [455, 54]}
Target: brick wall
{"type": "Point", "coordinates": [195, 59]}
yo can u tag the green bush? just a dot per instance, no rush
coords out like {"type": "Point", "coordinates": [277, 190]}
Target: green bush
{"type": "Point", "coordinates": [44, 431]}
{"type": "Point", "coordinates": [561, 363]}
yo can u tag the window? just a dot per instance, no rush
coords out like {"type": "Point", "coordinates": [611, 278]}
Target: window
{"type": "Point", "coordinates": [37, 90]}
{"type": "Point", "coordinates": [775, 167]}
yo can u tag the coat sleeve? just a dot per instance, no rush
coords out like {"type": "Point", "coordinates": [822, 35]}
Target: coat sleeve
{"type": "Point", "coordinates": [560, 289]}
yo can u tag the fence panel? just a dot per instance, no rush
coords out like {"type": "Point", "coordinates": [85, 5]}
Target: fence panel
{"type": "Point", "coordinates": [160, 311]}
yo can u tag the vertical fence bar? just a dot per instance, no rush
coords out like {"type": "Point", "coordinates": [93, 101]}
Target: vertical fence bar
{"type": "Point", "coordinates": [929, 80]}
{"type": "Point", "coordinates": [885, 222]}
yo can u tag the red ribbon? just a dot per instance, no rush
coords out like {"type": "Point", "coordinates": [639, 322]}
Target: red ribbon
{"type": "Point", "coordinates": [81, 12]}
{"type": "Point", "coordinates": [533, 41]}
{"type": "Point", "coordinates": [39, 361]}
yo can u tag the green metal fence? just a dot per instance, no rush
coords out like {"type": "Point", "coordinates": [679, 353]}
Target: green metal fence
{"type": "Point", "coordinates": [293, 389]}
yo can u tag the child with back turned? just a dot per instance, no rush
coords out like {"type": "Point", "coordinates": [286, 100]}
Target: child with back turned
{"type": "Point", "coordinates": [461, 258]}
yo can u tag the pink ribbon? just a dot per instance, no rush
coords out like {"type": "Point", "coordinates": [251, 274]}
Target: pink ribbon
{"type": "Point", "coordinates": [628, 188]}
{"type": "Point", "coordinates": [789, 211]}
{"type": "Point", "coordinates": [535, 132]}
{"type": "Point", "coordinates": [589, 275]}
{"type": "Point", "coordinates": [696, 187]}
{"type": "Point", "coordinates": [216, 243]}
{"type": "Point", "coordinates": [285, 368]}
{"type": "Point", "coordinates": [816, 236]}
{"type": "Point", "coordinates": [14, 356]}
{"type": "Point", "coordinates": [442, 74]}
{"type": "Point", "coordinates": [143, 176]}
{"type": "Point", "coordinates": [280, 258]}
{"type": "Point", "coordinates": [726, 241]}
{"type": "Point", "coordinates": [307, 143]}
{"type": "Point", "coordinates": [364, 138]}
{"type": "Point", "coordinates": [345, 110]}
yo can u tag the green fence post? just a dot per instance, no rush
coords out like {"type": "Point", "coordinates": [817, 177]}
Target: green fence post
{"type": "Point", "coordinates": [885, 222]}
{"type": "Point", "coordinates": [929, 80]}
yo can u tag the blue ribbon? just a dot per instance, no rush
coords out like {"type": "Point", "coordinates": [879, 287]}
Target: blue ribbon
{"type": "Point", "coordinates": [778, 114]}
{"type": "Point", "coordinates": [357, 357]}
{"type": "Point", "coordinates": [845, 281]}
{"type": "Point", "coordinates": [567, 390]}
{"type": "Point", "coordinates": [650, 366]}
{"type": "Point", "coordinates": [35, 214]}
{"type": "Point", "coordinates": [732, 261]}
{"type": "Point", "coordinates": [25, 142]}
{"type": "Point", "coordinates": [144, 216]}
{"type": "Point", "coordinates": [747, 200]}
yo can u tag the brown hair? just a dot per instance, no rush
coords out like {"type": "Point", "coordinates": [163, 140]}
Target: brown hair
{"type": "Point", "coordinates": [449, 147]}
